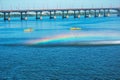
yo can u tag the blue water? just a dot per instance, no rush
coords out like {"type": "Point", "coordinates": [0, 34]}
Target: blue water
{"type": "Point", "coordinates": [95, 29]}
{"type": "Point", "coordinates": [81, 62]}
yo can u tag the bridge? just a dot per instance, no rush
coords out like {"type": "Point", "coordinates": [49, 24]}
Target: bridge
{"type": "Point", "coordinates": [105, 12]}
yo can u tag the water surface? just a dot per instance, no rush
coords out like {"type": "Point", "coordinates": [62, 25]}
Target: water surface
{"type": "Point", "coordinates": [37, 59]}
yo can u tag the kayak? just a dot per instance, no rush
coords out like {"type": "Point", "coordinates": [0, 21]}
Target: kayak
{"type": "Point", "coordinates": [74, 28]}
{"type": "Point", "coordinates": [28, 30]}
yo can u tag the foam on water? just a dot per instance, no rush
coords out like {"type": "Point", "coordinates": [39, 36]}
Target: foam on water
{"type": "Point", "coordinates": [77, 39]}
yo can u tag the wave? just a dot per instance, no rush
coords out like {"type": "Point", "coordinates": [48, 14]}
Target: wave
{"type": "Point", "coordinates": [76, 40]}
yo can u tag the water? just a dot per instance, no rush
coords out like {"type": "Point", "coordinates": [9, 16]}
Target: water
{"type": "Point", "coordinates": [54, 52]}
{"type": "Point", "coordinates": [58, 31]}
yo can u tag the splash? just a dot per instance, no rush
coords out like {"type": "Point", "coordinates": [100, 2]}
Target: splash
{"type": "Point", "coordinates": [75, 39]}
{"type": "Point", "coordinates": [56, 38]}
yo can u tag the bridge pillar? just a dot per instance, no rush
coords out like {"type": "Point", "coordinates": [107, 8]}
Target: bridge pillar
{"type": "Point", "coordinates": [90, 14]}
{"type": "Point", "coordinates": [97, 14]}
{"type": "Point", "coordinates": [23, 17]}
{"type": "Point", "coordinates": [76, 15]}
{"type": "Point", "coordinates": [50, 14]}
{"type": "Point", "coordinates": [6, 16]}
{"type": "Point", "coordinates": [37, 15]}
{"type": "Point", "coordinates": [118, 13]}
{"type": "Point", "coordinates": [64, 15]}
{"type": "Point", "coordinates": [53, 16]}
{"type": "Point", "coordinates": [67, 15]}
{"type": "Point", "coordinates": [41, 15]}
{"type": "Point", "coordinates": [87, 15]}
{"type": "Point", "coordinates": [106, 14]}
{"type": "Point", "coordinates": [79, 14]}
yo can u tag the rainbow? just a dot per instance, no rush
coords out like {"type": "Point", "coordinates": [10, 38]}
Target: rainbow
{"type": "Point", "coordinates": [55, 38]}
{"type": "Point", "coordinates": [65, 37]}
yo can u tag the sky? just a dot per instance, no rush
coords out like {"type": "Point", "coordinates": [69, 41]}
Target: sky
{"type": "Point", "coordinates": [35, 4]}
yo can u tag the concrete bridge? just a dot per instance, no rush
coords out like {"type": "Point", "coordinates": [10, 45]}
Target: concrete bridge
{"type": "Point", "coordinates": [105, 12]}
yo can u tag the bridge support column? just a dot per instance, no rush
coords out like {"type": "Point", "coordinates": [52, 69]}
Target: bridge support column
{"type": "Point", "coordinates": [90, 14]}
{"type": "Point", "coordinates": [37, 15]}
{"type": "Point", "coordinates": [53, 16]}
{"type": "Point", "coordinates": [79, 14]}
{"type": "Point", "coordinates": [99, 14]}
{"type": "Point", "coordinates": [106, 14]}
{"type": "Point", "coordinates": [6, 16]}
{"type": "Point", "coordinates": [24, 17]}
{"type": "Point", "coordinates": [95, 13]}
{"type": "Point", "coordinates": [9, 16]}
{"type": "Point", "coordinates": [21, 15]}
{"type": "Point", "coordinates": [41, 15]}
{"type": "Point", "coordinates": [75, 14]}
{"type": "Point", "coordinates": [87, 15]}
{"type": "Point", "coordinates": [118, 13]}
{"type": "Point", "coordinates": [65, 15]}
{"type": "Point", "coordinates": [50, 15]}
